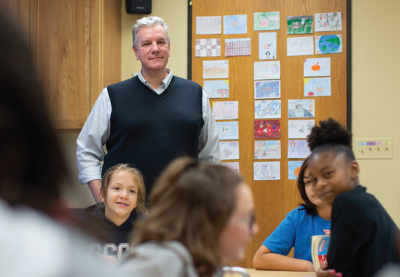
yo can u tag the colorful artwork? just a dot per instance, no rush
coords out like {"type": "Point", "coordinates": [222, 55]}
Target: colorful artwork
{"type": "Point", "coordinates": [267, 108]}
{"type": "Point", "coordinates": [232, 165]}
{"type": "Point", "coordinates": [267, 70]}
{"type": "Point", "coordinates": [215, 69]}
{"type": "Point", "coordinates": [329, 44]}
{"type": "Point", "coordinates": [237, 47]}
{"type": "Point", "coordinates": [208, 47]}
{"type": "Point", "coordinates": [298, 149]}
{"type": "Point", "coordinates": [217, 89]}
{"type": "Point", "coordinates": [294, 169]}
{"type": "Point", "coordinates": [235, 24]}
{"type": "Point", "coordinates": [267, 89]}
{"type": "Point", "coordinates": [300, 128]}
{"type": "Point", "coordinates": [228, 130]}
{"type": "Point", "coordinates": [267, 46]}
{"type": "Point", "coordinates": [317, 67]}
{"type": "Point", "coordinates": [300, 46]}
{"type": "Point", "coordinates": [299, 24]}
{"type": "Point", "coordinates": [267, 21]}
{"type": "Point", "coordinates": [229, 150]}
{"type": "Point", "coordinates": [225, 110]}
{"type": "Point", "coordinates": [270, 149]}
{"type": "Point", "coordinates": [328, 22]}
{"type": "Point", "coordinates": [301, 108]}
{"type": "Point", "coordinates": [269, 171]}
{"type": "Point", "coordinates": [317, 86]}
{"type": "Point", "coordinates": [265, 129]}
{"type": "Point", "coordinates": [208, 25]}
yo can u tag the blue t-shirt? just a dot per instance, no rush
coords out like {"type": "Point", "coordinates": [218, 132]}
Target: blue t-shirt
{"type": "Point", "coordinates": [296, 231]}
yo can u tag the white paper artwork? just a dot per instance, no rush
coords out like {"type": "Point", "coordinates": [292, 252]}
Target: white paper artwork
{"type": "Point", "coordinates": [208, 25]}
{"type": "Point", "coordinates": [270, 171]}
{"type": "Point", "coordinates": [267, 46]}
{"type": "Point", "coordinates": [208, 47]}
{"type": "Point", "coordinates": [225, 110]}
{"type": "Point", "coordinates": [232, 165]}
{"type": "Point", "coordinates": [229, 150]}
{"type": "Point", "coordinates": [215, 69]}
{"type": "Point", "coordinates": [300, 46]}
{"type": "Point", "coordinates": [300, 128]}
{"type": "Point", "coordinates": [317, 67]}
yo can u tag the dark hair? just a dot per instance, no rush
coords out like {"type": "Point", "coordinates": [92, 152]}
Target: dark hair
{"type": "Point", "coordinates": [31, 162]}
{"type": "Point", "coordinates": [191, 203]}
{"type": "Point", "coordinates": [307, 205]}
{"type": "Point", "coordinates": [332, 136]}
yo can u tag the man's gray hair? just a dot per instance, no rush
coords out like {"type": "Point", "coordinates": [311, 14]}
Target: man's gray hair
{"type": "Point", "coordinates": [147, 22]}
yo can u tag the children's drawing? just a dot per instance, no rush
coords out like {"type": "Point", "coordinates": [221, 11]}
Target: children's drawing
{"type": "Point", "coordinates": [232, 165]}
{"type": "Point", "coordinates": [267, 89]}
{"type": "Point", "coordinates": [317, 86]}
{"type": "Point", "coordinates": [294, 169]}
{"type": "Point", "coordinates": [329, 44]}
{"type": "Point", "coordinates": [300, 46]}
{"type": "Point", "coordinates": [301, 108]}
{"type": "Point", "coordinates": [208, 25]}
{"type": "Point", "coordinates": [317, 67]}
{"type": "Point", "coordinates": [267, 21]}
{"type": "Point", "coordinates": [235, 24]}
{"type": "Point", "coordinates": [300, 128]}
{"type": "Point", "coordinates": [299, 24]}
{"type": "Point", "coordinates": [264, 129]}
{"type": "Point", "coordinates": [328, 22]}
{"type": "Point", "coordinates": [270, 149]}
{"type": "Point", "coordinates": [217, 89]}
{"type": "Point", "coordinates": [269, 171]}
{"type": "Point", "coordinates": [267, 70]}
{"type": "Point", "coordinates": [229, 150]}
{"type": "Point", "coordinates": [298, 149]}
{"type": "Point", "coordinates": [228, 130]}
{"type": "Point", "coordinates": [225, 110]}
{"type": "Point", "coordinates": [208, 47]}
{"type": "Point", "coordinates": [267, 108]}
{"type": "Point", "coordinates": [215, 69]}
{"type": "Point", "coordinates": [267, 46]}
{"type": "Point", "coordinates": [237, 47]}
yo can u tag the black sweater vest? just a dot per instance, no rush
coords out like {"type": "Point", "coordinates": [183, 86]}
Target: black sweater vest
{"type": "Point", "coordinates": [149, 130]}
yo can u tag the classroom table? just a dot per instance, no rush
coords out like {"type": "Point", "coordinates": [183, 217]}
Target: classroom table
{"type": "Point", "coordinates": [267, 273]}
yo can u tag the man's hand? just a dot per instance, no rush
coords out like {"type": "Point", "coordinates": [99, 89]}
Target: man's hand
{"type": "Point", "coordinates": [109, 259]}
{"type": "Point", "coordinates": [324, 272]}
{"type": "Point", "coordinates": [95, 186]}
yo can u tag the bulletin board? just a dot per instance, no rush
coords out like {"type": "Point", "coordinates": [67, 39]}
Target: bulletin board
{"type": "Point", "coordinates": [273, 198]}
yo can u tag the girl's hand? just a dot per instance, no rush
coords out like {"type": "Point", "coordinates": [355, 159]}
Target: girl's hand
{"type": "Point", "coordinates": [324, 272]}
{"type": "Point", "coordinates": [327, 232]}
{"type": "Point", "coordinates": [109, 259]}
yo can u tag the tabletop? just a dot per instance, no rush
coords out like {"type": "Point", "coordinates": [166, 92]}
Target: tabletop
{"type": "Point", "coordinates": [267, 273]}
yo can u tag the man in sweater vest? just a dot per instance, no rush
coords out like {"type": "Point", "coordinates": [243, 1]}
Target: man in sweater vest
{"type": "Point", "coordinates": [148, 120]}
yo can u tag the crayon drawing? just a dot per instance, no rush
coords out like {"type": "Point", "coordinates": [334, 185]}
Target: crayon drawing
{"type": "Point", "coordinates": [329, 44]}
{"type": "Point", "coordinates": [208, 47]}
{"type": "Point", "coordinates": [328, 22]}
{"type": "Point", "coordinates": [235, 24]}
{"type": "Point", "coordinates": [294, 169]}
{"type": "Point", "coordinates": [267, 70]}
{"type": "Point", "coordinates": [217, 89]}
{"type": "Point", "coordinates": [267, 89]}
{"type": "Point", "coordinates": [267, 46]}
{"type": "Point", "coordinates": [215, 69]}
{"type": "Point", "coordinates": [237, 47]}
{"type": "Point", "coordinates": [299, 24]}
{"type": "Point", "coordinates": [225, 110]}
{"type": "Point", "coordinates": [317, 86]}
{"type": "Point", "coordinates": [300, 46]}
{"type": "Point", "coordinates": [208, 25]}
{"type": "Point", "coordinates": [267, 109]}
{"type": "Point", "coordinates": [265, 129]}
{"type": "Point", "coordinates": [317, 67]}
{"type": "Point", "coordinates": [229, 150]}
{"type": "Point", "coordinates": [232, 165]}
{"type": "Point", "coordinates": [301, 108]}
{"type": "Point", "coordinates": [267, 21]}
{"type": "Point", "coordinates": [270, 149]}
{"type": "Point", "coordinates": [298, 149]}
{"type": "Point", "coordinates": [269, 171]}
{"type": "Point", "coordinates": [299, 128]}
{"type": "Point", "coordinates": [228, 130]}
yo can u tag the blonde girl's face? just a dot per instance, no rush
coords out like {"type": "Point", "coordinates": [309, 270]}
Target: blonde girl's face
{"type": "Point", "coordinates": [308, 188]}
{"type": "Point", "coordinates": [122, 195]}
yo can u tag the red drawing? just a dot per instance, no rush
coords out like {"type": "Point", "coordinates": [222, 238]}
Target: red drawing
{"type": "Point", "coordinates": [267, 129]}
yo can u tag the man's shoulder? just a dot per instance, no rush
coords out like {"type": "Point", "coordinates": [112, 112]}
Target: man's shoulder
{"type": "Point", "coordinates": [122, 84]}
{"type": "Point", "coordinates": [185, 82]}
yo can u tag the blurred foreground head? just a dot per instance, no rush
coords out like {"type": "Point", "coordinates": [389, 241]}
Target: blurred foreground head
{"type": "Point", "coordinates": [31, 163]}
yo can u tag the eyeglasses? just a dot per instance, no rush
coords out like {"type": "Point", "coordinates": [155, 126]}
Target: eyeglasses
{"type": "Point", "coordinates": [250, 220]}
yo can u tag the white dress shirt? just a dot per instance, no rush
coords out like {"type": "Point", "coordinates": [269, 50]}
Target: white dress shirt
{"type": "Point", "coordinates": [96, 132]}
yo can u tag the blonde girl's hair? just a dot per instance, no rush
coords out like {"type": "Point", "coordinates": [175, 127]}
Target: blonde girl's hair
{"type": "Point", "coordinates": [138, 177]}
{"type": "Point", "coordinates": [191, 203]}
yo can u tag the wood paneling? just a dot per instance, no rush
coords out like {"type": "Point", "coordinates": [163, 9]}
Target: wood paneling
{"type": "Point", "coordinates": [274, 199]}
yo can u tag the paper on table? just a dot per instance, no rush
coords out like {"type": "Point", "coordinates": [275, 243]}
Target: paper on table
{"type": "Point", "coordinates": [298, 149]}
{"type": "Point", "coordinates": [267, 46]}
{"type": "Point", "coordinates": [267, 171]}
{"type": "Point", "coordinates": [267, 108]}
{"type": "Point", "coordinates": [225, 110]}
{"type": "Point", "coordinates": [235, 24]}
{"type": "Point", "coordinates": [328, 22]}
{"type": "Point", "coordinates": [228, 130]}
{"type": "Point", "coordinates": [217, 89]}
{"type": "Point", "coordinates": [301, 108]}
{"type": "Point", "coordinates": [300, 128]}
{"type": "Point", "coordinates": [300, 46]}
{"type": "Point", "coordinates": [215, 69]}
{"type": "Point", "coordinates": [317, 67]}
{"type": "Point", "coordinates": [267, 149]}
{"type": "Point", "coordinates": [317, 86]}
{"type": "Point", "coordinates": [229, 150]}
{"type": "Point", "coordinates": [208, 25]}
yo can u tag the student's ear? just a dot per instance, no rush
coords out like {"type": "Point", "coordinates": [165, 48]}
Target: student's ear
{"type": "Point", "coordinates": [101, 195]}
{"type": "Point", "coordinates": [354, 169]}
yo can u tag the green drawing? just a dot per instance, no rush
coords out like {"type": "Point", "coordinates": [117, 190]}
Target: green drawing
{"type": "Point", "coordinates": [299, 24]}
{"type": "Point", "coordinates": [267, 21]}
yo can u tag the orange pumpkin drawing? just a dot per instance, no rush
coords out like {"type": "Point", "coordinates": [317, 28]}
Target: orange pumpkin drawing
{"type": "Point", "coordinates": [315, 67]}
{"type": "Point", "coordinates": [234, 23]}
{"type": "Point", "coordinates": [296, 172]}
